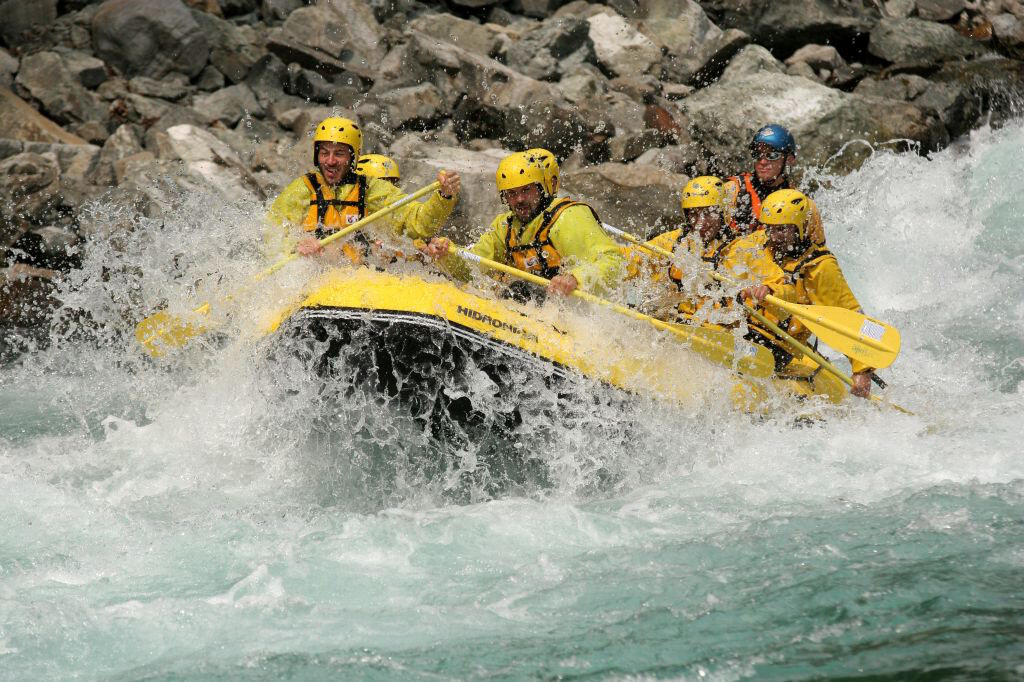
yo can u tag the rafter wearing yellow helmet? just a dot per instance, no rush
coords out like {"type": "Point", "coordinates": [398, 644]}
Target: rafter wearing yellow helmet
{"type": "Point", "coordinates": [704, 243]}
{"type": "Point", "coordinates": [558, 239]}
{"type": "Point", "coordinates": [379, 166]}
{"type": "Point", "coordinates": [333, 196]}
{"type": "Point", "coordinates": [811, 273]}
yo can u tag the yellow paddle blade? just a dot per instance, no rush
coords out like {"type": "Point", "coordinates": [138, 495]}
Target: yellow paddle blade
{"type": "Point", "coordinates": [161, 331]}
{"type": "Point", "coordinates": [857, 336]}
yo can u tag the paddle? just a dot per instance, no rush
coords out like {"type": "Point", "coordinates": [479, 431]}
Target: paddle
{"type": "Point", "coordinates": [853, 334]}
{"type": "Point", "coordinates": [162, 330]}
{"type": "Point", "coordinates": [716, 345]}
{"type": "Point", "coordinates": [771, 326]}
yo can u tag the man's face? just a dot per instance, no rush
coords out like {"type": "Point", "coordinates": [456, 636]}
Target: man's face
{"type": "Point", "coordinates": [707, 220]}
{"type": "Point", "coordinates": [334, 160]}
{"type": "Point", "coordinates": [524, 201]}
{"type": "Point", "coordinates": [768, 163]}
{"type": "Point", "coordinates": [782, 238]}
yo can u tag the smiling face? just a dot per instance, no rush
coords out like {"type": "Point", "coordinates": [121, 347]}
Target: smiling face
{"type": "Point", "coordinates": [334, 160]}
{"type": "Point", "coordinates": [524, 201]}
{"type": "Point", "coordinates": [769, 164]}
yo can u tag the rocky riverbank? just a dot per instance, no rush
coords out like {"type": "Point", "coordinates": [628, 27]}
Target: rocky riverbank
{"type": "Point", "coordinates": [122, 101]}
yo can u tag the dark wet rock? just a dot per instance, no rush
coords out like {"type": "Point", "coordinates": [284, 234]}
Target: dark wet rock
{"type": "Point", "coordinates": [233, 49]}
{"type": "Point", "coordinates": [8, 68]}
{"type": "Point", "coordinates": [821, 119]}
{"type": "Point", "coordinates": [29, 193]}
{"type": "Point", "coordinates": [751, 61]}
{"type": "Point", "coordinates": [902, 86]}
{"type": "Point", "coordinates": [49, 79]}
{"type": "Point", "coordinates": [210, 79]}
{"type": "Point", "coordinates": [92, 132]}
{"type": "Point", "coordinates": [653, 193]}
{"type": "Point", "coordinates": [84, 68]}
{"type": "Point", "coordinates": [967, 93]}
{"type": "Point", "coordinates": [939, 10]}
{"type": "Point", "coordinates": [228, 105]}
{"type": "Point", "coordinates": [26, 296]}
{"type": "Point", "coordinates": [915, 41]}
{"type": "Point", "coordinates": [233, 8]}
{"type": "Point", "coordinates": [21, 17]}
{"type": "Point", "coordinates": [1009, 34]}
{"type": "Point", "coordinates": [170, 88]}
{"type": "Point", "coordinates": [268, 78]}
{"type": "Point", "coordinates": [149, 38]}
{"type": "Point", "coordinates": [533, 8]}
{"type": "Point", "coordinates": [419, 106]}
{"type": "Point", "coordinates": [542, 52]}
{"type": "Point", "coordinates": [619, 48]}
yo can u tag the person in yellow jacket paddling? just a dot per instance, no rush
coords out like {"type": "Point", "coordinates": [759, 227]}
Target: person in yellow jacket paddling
{"type": "Point", "coordinates": [811, 274]}
{"type": "Point", "coordinates": [556, 238]}
{"type": "Point", "coordinates": [334, 196]}
{"type": "Point", "coordinates": [705, 243]}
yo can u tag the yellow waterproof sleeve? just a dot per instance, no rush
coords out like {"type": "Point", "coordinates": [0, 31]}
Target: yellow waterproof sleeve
{"type": "Point", "coordinates": [592, 257]}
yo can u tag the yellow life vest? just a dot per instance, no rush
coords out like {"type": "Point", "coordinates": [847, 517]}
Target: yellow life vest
{"type": "Point", "coordinates": [539, 256]}
{"type": "Point", "coordinates": [327, 213]}
{"type": "Point", "coordinates": [686, 306]}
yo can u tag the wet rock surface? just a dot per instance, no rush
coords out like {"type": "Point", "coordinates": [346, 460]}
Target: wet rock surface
{"type": "Point", "coordinates": [130, 101]}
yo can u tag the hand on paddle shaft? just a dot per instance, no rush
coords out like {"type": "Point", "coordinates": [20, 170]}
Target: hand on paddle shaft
{"type": "Point", "coordinates": [861, 385]}
{"type": "Point", "coordinates": [450, 186]}
{"type": "Point", "coordinates": [563, 285]}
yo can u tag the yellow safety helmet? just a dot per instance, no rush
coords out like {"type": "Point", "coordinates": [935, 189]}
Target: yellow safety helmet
{"type": "Point", "coordinates": [703, 191]}
{"type": "Point", "coordinates": [519, 170]}
{"type": "Point", "coordinates": [549, 163]}
{"type": "Point", "coordinates": [378, 166]}
{"type": "Point", "coordinates": [786, 207]}
{"type": "Point", "coordinates": [337, 129]}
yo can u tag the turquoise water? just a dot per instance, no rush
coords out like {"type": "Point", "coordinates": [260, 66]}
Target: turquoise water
{"type": "Point", "coordinates": [219, 517]}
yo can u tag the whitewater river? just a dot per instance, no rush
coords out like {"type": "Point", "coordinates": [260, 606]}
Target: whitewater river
{"type": "Point", "coordinates": [220, 517]}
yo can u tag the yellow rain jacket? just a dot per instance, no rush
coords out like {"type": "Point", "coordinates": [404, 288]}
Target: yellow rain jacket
{"type": "Point", "coordinates": [296, 211]}
{"type": "Point", "coordinates": [566, 238]}
{"type": "Point", "coordinates": [744, 260]}
{"type": "Point", "coordinates": [815, 278]}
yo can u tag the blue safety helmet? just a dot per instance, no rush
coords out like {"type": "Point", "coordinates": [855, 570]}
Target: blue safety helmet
{"type": "Point", "coordinates": [776, 137]}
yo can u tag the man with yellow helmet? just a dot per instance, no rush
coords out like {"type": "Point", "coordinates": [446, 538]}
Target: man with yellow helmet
{"type": "Point", "coordinates": [334, 196]}
{"type": "Point", "coordinates": [556, 238]}
{"type": "Point", "coordinates": [378, 166]}
{"type": "Point", "coordinates": [706, 240]}
{"type": "Point", "coordinates": [811, 274]}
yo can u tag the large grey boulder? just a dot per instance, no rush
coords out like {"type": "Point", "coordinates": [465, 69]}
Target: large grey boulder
{"type": "Point", "coordinates": [333, 37]}
{"type": "Point", "coordinates": [619, 47]}
{"type": "Point", "coordinates": [19, 17]}
{"type": "Point", "coordinates": [490, 100]}
{"type": "Point", "coordinates": [149, 37]}
{"type": "Point", "coordinates": [785, 25]}
{"type": "Point", "coordinates": [724, 116]}
{"type": "Point", "coordinates": [915, 41]}
{"type": "Point", "coordinates": [210, 161]}
{"type": "Point", "coordinates": [229, 105]}
{"type": "Point", "coordinates": [485, 40]}
{"type": "Point", "coordinates": [51, 79]}
{"type": "Point", "coordinates": [233, 49]}
{"type": "Point", "coordinates": [690, 40]}
{"type": "Point", "coordinates": [752, 60]}
{"type": "Point", "coordinates": [419, 106]}
{"type": "Point", "coordinates": [1009, 33]}
{"type": "Point", "coordinates": [653, 193]}
{"type": "Point", "coordinates": [543, 52]}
